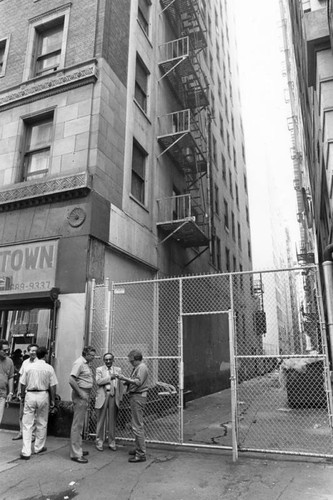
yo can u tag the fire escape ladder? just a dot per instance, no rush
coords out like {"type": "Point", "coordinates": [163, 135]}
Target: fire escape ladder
{"type": "Point", "coordinates": [183, 217]}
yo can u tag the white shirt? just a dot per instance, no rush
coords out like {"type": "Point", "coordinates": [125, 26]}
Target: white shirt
{"type": "Point", "coordinates": [39, 376]}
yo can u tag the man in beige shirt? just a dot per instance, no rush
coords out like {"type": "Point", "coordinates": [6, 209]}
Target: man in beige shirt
{"type": "Point", "coordinates": [81, 381]}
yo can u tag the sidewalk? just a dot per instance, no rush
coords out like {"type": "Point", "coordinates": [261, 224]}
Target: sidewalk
{"type": "Point", "coordinates": [169, 473]}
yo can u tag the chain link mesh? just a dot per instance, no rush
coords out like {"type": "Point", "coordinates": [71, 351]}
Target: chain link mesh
{"type": "Point", "coordinates": [282, 371]}
{"type": "Point", "coordinates": [99, 339]}
{"type": "Point", "coordinates": [282, 390]}
{"type": "Point", "coordinates": [145, 317]}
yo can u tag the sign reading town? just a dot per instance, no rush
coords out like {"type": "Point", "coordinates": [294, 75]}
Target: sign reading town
{"type": "Point", "coordinates": [28, 268]}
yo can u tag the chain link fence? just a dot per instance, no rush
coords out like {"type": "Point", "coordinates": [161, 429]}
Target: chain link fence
{"type": "Point", "coordinates": [280, 397]}
{"type": "Point", "coordinates": [99, 333]}
{"type": "Point", "coordinates": [283, 389]}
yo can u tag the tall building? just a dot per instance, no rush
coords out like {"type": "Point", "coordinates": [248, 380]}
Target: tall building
{"type": "Point", "coordinates": [307, 29]}
{"type": "Point", "coordinates": [121, 156]}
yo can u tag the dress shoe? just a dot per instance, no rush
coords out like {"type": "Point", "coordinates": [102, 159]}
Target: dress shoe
{"type": "Point", "coordinates": [85, 453]}
{"type": "Point", "coordinates": [132, 452]}
{"type": "Point", "coordinates": [17, 437]}
{"type": "Point", "coordinates": [24, 457]}
{"type": "Point", "coordinates": [112, 446]}
{"type": "Point", "coordinates": [136, 459]}
{"type": "Point", "coordinates": [80, 460]}
{"type": "Point", "coordinates": [41, 451]}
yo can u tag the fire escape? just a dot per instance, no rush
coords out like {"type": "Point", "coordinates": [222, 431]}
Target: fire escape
{"type": "Point", "coordinates": [181, 135]}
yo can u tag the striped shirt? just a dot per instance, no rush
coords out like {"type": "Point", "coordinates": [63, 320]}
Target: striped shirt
{"type": "Point", "coordinates": [39, 376]}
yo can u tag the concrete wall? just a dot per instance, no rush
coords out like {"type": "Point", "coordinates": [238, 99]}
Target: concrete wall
{"type": "Point", "coordinates": [69, 338]}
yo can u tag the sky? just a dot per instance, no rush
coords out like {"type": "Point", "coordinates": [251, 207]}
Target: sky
{"type": "Point", "coordinates": [264, 111]}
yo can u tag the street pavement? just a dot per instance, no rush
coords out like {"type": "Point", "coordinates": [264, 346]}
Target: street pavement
{"type": "Point", "coordinates": [170, 473]}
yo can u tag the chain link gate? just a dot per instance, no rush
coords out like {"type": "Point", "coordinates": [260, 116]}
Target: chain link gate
{"type": "Point", "coordinates": [272, 340]}
{"type": "Point", "coordinates": [283, 387]}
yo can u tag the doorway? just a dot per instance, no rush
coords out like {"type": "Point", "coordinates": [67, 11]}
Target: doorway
{"type": "Point", "coordinates": [207, 395]}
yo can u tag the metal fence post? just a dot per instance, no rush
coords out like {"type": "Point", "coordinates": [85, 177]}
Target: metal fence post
{"type": "Point", "coordinates": [233, 387]}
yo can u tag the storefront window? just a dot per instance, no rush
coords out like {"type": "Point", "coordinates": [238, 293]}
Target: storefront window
{"type": "Point", "coordinates": [22, 327]}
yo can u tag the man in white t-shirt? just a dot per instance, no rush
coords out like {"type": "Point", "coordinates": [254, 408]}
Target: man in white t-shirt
{"type": "Point", "coordinates": [32, 351]}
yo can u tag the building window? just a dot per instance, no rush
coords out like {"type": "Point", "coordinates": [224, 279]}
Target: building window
{"type": "Point", "coordinates": [37, 147]}
{"type": "Point", "coordinates": [224, 169]}
{"type": "Point", "coordinates": [211, 66]}
{"type": "Point", "coordinates": [141, 84]}
{"type": "Point", "coordinates": [209, 26]}
{"type": "Point", "coordinates": [143, 15]}
{"type": "Point", "coordinates": [237, 196]}
{"type": "Point", "coordinates": [233, 231]}
{"type": "Point", "coordinates": [212, 105]}
{"type": "Point", "coordinates": [249, 249]}
{"type": "Point", "coordinates": [228, 143]}
{"type": "Point", "coordinates": [46, 46]}
{"type": "Point", "coordinates": [226, 215]}
{"type": "Point", "coordinates": [235, 159]}
{"type": "Point", "coordinates": [239, 235]}
{"type": "Point", "coordinates": [218, 254]}
{"type": "Point", "coordinates": [217, 202]}
{"type": "Point", "coordinates": [226, 107]}
{"type": "Point", "coordinates": [227, 259]}
{"type": "Point", "coordinates": [219, 88]}
{"type": "Point", "coordinates": [221, 127]}
{"type": "Point", "coordinates": [214, 151]}
{"type": "Point", "coordinates": [139, 159]}
{"type": "Point", "coordinates": [230, 184]}
{"type": "Point", "coordinates": [4, 45]}
{"type": "Point", "coordinates": [247, 215]}
{"type": "Point", "coordinates": [245, 183]}
{"type": "Point", "coordinates": [234, 264]}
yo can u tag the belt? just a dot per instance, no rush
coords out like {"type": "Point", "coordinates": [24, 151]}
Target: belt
{"type": "Point", "coordinates": [143, 393]}
{"type": "Point", "coordinates": [36, 390]}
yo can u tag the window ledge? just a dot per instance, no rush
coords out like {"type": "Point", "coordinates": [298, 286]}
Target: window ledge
{"type": "Point", "coordinates": [142, 110]}
{"type": "Point", "coordinates": [44, 190]}
{"type": "Point", "coordinates": [138, 203]}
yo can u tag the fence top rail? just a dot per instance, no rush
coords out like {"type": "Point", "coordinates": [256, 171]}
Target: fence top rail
{"type": "Point", "coordinates": [215, 275]}
{"type": "Point", "coordinates": [280, 356]}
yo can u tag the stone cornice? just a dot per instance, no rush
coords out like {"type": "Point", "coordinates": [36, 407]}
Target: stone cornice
{"type": "Point", "coordinates": [53, 84]}
{"type": "Point", "coordinates": [44, 190]}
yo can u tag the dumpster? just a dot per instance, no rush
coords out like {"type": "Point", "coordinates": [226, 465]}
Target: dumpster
{"type": "Point", "coordinates": [305, 383]}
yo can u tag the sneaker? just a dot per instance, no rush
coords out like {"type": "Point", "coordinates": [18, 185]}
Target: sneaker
{"type": "Point", "coordinates": [99, 448]}
{"type": "Point", "coordinates": [112, 446]}
{"type": "Point", "coordinates": [24, 457]}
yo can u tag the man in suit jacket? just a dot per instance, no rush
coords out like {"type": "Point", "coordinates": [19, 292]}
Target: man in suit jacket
{"type": "Point", "coordinates": [108, 397]}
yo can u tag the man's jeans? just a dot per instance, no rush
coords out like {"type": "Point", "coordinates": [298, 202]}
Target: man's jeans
{"type": "Point", "coordinates": [138, 403]}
